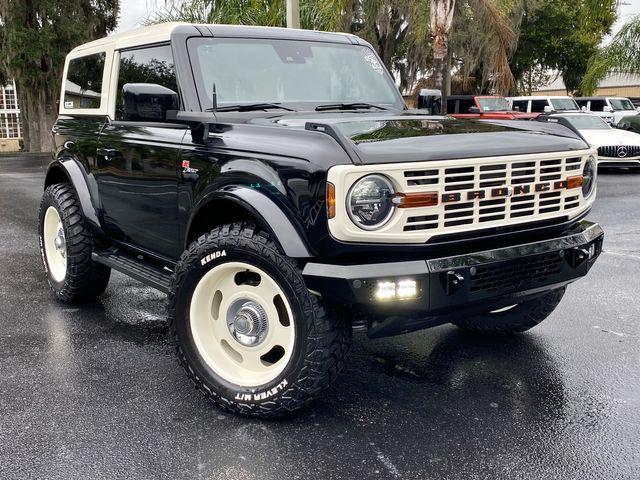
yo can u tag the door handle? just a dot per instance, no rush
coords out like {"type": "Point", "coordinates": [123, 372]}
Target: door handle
{"type": "Point", "coordinates": [107, 153]}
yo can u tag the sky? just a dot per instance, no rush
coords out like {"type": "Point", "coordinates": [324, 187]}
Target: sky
{"type": "Point", "coordinates": [132, 12]}
{"type": "Point", "coordinates": [627, 9]}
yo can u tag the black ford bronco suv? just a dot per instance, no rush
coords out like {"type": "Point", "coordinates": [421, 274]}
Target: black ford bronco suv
{"type": "Point", "coordinates": [274, 185]}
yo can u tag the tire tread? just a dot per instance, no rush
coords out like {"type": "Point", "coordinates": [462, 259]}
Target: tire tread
{"type": "Point", "coordinates": [328, 335]}
{"type": "Point", "coordinates": [85, 279]}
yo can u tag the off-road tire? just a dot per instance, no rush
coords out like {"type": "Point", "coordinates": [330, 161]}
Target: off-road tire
{"type": "Point", "coordinates": [322, 336]}
{"type": "Point", "coordinates": [84, 279]}
{"type": "Point", "coordinates": [518, 319]}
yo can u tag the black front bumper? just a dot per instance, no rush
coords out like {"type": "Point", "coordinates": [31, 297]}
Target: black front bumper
{"type": "Point", "coordinates": [455, 286]}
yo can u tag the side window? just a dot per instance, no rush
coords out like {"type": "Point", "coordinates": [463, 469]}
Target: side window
{"type": "Point", "coordinates": [521, 105]}
{"type": "Point", "coordinates": [83, 85]}
{"type": "Point", "coordinates": [598, 105]}
{"type": "Point", "coordinates": [584, 103]}
{"type": "Point", "coordinates": [451, 105]}
{"type": "Point", "coordinates": [537, 106]}
{"type": "Point", "coordinates": [145, 65]}
{"type": "Point", "coordinates": [466, 104]}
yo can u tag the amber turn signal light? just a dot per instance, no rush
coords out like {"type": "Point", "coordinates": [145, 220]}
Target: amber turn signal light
{"type": "Point", "coordinates": [413, 200]}
{"type": "Point", "coordinates": [574, 182]}
{"type": "Point", "coordinates": [331, 200]}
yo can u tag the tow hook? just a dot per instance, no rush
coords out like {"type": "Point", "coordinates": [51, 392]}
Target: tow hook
{"type": "Point", "coordinates": [577, 256]}
{"type": "Point", "coordinates": [453, 282]}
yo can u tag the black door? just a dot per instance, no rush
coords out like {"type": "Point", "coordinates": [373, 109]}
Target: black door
{"type": "Point", "coordinates": [138, 183]}
{"type": "Point", "coordinates": [138, 163]}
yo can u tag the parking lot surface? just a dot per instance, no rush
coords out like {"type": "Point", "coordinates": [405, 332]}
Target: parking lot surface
{"type": "Point", "coordinates": [94, 391]}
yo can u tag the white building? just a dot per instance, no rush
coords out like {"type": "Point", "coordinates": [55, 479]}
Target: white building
{"type": "Point", "coordinates": [10, 127]}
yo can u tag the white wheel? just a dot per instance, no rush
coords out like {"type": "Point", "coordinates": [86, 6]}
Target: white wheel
{"type": "Point", "coordinates": [250, 335]}
{"type": "Point", "coordinates": [55, 245]}
{"type": "Point", "coordinates": [242, 324]}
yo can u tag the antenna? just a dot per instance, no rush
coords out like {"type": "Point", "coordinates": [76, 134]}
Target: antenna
{"type": "Point", "coordinates": [214, 98]}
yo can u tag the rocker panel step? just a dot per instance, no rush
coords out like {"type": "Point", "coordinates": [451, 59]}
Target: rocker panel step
{"type": "Point", "coordinates": [135, 267]}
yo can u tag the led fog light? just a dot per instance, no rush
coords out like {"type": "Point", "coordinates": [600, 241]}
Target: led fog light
{"type": "Point", "coordinates": [407, 289]}
{"type": "Point", "coordinates": [385, 290]}
{"type": "Point", "coordinates": [401, 290]}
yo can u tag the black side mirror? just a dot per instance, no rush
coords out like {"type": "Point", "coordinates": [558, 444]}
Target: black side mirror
{"type": "Point", "coordinates": [431, 100]}
{"type": "Point", "coordinates": [474, 109]}
{"type": "Point", "coordinates": [147, 102]}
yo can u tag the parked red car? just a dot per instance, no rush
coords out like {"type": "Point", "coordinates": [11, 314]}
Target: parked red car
{"type": "Point", "coordinates": [484, 106]}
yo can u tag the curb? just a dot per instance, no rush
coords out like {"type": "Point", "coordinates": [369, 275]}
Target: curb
{"type": "Point", "coordinates": [4, 155]}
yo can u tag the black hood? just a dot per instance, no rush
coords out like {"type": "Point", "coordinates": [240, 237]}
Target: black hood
{"type": "Point", "coordinates": [383, 138]}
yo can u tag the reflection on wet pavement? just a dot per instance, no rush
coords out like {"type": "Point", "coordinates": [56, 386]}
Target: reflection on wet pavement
{"type": "Point", "coordinates": [94, 391]}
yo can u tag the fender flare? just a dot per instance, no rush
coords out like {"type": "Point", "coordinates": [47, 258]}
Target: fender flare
{"type": "Point", "coordinates": [270, 215]}
{"type": "Point", "coordinates": [78, 179]}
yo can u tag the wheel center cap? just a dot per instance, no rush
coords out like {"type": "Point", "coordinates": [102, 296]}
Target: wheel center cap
{"type": "Point", "coordinates": [247, 322]}
{"type": "Point", "coordinates": [60, 243]}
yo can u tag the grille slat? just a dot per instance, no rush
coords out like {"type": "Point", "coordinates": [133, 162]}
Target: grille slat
{"type": "Point", "coordinates": [464, 211]}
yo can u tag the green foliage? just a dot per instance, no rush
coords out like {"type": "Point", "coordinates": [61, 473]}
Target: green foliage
{"type": "Point", "coordinates": [621, 55]}
{"type": "Point", "coordinates": [35, 37]}
{"type": "Point", "coordinates": [483, 38]}
{"type": "Point", "coordinates": [562, 35]}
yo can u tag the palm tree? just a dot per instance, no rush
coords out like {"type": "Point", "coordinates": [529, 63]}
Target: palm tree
{"type": "Point", "coordinates": [398, 29]}
{"type": "Point", "coordinates": [441, 20]}
{"type": "Point", "coordinates": [621, 55]}
{"type": "Point", "coordinates": [487, 37]}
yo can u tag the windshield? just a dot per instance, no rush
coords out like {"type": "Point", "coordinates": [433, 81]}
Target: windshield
{"type": "Point", "coordinates": [490, 104]}
{"type": "Point", "coordinates": [560, 104]}
{"type": "Point", "coordinates": [587, 122]}
{"type": "Point", "coordinates": [299, 74]}
{"type": "Point", "coordinates": [621, 104]}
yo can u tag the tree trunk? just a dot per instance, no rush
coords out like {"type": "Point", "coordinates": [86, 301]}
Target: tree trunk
{"type": "Point", "coordinates": [38, 116]}
{"type": "Point", "coordinates": [441, 20]}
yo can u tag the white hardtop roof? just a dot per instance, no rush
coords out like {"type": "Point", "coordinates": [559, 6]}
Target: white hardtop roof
{"type": "Point", "coordinates": [162, 33]}
{"type": "Point", "coordinates": [526, 97]}
{"type": "Point", "coordinates": [152, 34]}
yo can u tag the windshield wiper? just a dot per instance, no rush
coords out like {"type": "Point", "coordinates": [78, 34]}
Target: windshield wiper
{"type": "Point", "coordinates": [348, 106]}
{"type": "Point", "coordinates": [249, 107]}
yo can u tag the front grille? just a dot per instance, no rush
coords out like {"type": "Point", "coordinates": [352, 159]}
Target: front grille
{"type": "Point", "coordinates": [619, 151]}
{"type": "Point", "coordinates": [523, 273]}
{"type": "Point", "coordinates": [474, 194]}
{"type": "Point", "coordinates": [477, 213]}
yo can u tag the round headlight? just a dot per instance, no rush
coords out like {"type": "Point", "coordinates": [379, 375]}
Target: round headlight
{"type": "Point", "coordinates": [589, 176]}
{"type": "Point", "coordinates": [369, 202]}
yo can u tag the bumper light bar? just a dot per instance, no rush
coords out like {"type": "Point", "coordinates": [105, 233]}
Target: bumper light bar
{"type": "Point", "coordinates": [401, 290]}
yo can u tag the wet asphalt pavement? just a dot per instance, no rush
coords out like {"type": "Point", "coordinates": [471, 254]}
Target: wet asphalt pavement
{"type": "Point", "coordinates": [94, 391]}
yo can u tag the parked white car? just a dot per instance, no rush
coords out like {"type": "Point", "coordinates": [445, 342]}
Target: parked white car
{"type": "Point", "coordinates": [542, 104]}
{"type": "Point", "coordinates": [611, 109]}
{"type": "Point", "coordinates": [616, 148]}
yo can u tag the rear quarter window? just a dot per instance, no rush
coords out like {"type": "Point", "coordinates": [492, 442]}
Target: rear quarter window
{"type": "Point", "coordinates": [466, 104]}
{"type": "Point", "coordinates": [521, 105]}
{"type": "Point", "coordinates": [83, 85]}
{"type": "Point", "coordinates": [538, 105]}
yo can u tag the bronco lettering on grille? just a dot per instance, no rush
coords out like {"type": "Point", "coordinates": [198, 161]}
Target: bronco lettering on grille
{"type": "Point", "coordinates": [504, 191]}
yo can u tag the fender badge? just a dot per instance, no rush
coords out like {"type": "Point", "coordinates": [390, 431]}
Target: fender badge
{"type": "Point", "coordinates": [186, 168]}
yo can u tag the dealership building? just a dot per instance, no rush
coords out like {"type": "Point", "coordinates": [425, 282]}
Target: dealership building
{"type": "Point", "coordinates": [613, 85]}
{"type": "Point", "coordinates": [10, 127]}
